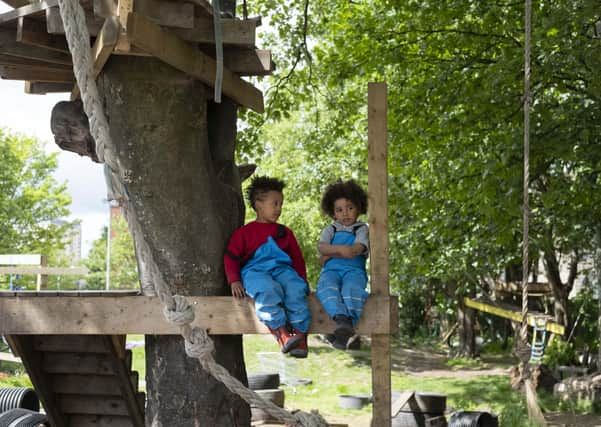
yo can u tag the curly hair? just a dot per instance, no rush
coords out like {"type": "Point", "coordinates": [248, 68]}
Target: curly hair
{"type": "Point", "coordinates": [344, 190]}
{"type": "Point", "coordinates": [260, 185]}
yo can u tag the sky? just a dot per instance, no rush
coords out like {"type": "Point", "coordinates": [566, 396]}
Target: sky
{"type": "Point", "coordinates": [30, 115]}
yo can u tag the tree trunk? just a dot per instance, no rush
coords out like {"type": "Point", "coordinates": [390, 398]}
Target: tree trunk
{"type": "Point", "coordinates": [560, 293]}
{"type": "Point", "coordinates": [176, 149]}
{"type": "Point", "coordinates": [466, 319]}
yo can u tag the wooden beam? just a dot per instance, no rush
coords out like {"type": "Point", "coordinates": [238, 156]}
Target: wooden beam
{"type": "Point", "coordinates": [103, 47]}
{"type": "Point", "coordinates": [235, 32]}
{"type": "Point", "coordinates": [42, 88]}
{"type": "Point", "coordinates": [54, 22]}
{"type": "Point", "coordinates": [34, 33]}
{"type": "Point", "coordinates": [44, 270]}
{"type": "Point", "coordinates": [513, 315]}
{"type": "Point", "coordinates": [171, 49]}
{"type": "Point", "coordinates": [26, 10]}
{"type": "Point", "coordinates": [9, 46]}
{"type": "Point", "coordinates": [101, 315]}
{"type": "Point", "coordinates": [32, 64]}
{"type": "Point", "coordinates": [245, 62]}
{"type": "Point", "coordinates": [378, 240]}
{"type": "Point", "coordinates": [9, 72]}
{"type": "Point", "coordinates": [169, 14]}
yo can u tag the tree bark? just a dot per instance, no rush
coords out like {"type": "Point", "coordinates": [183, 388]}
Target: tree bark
{"type": "Point", "coordinates": [176, 149]}
{"type": "Point", "coordinates": [466, 319]}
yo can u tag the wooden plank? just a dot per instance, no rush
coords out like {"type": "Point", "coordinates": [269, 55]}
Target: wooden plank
{"type": "Point", "coordinates": [31, 64]}
{"type": "Point", "coordinates": [44, 270]}
{"type": "Point", "coordinates": [378, 187]}
{"type": "Point", "coordinates": [54, 22]}
{"type": "Point", "coordinates": [99, 420]}
{"type": "Point", "coordinates": [103, 385]}
{"type": "Point", "coordinates": [42, 88]}
{"type": "Point", "coordinates": [70, 343]}
{"type": "Point", "coordinates": [9, 72]}
{"type": "Point", "coordinates": [171, 49]}
{"type": "Point", "coordinates": [34, 33]}
{"type": "Point", "coordinates": [26, 10]}
{"type": "Point", "coordinates": [246, 62]}
{"type": "Point", "coordinates": [91, 405]}
{"type": "Point", "coordinates": [169, 14]}
{"type": "Point", "coordinates": [513, 315]}
{"type": "Point", "coordinates": [378, 238]}
{"type": "Point", "coordinates": [77, 363]}
{"type": "Point", "coordinates": [235, 32]}
{"type": "Point", "coordinates": [144, 315]}
{"type": "Point", "coordinates": [9, 46]}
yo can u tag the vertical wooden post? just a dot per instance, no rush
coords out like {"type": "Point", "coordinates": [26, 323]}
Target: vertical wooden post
{"type": "Point", "coordinates": [378, 240]}
{"type": "Point", "coordinates": [42, 282]}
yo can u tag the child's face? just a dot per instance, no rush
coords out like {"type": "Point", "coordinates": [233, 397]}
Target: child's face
{"type": "Point", "coordinates": [269, 206]}
{"type": "Point", "coordinates": [345, 212]}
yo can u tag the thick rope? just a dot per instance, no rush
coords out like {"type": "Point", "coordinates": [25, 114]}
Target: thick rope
{"type": "Point", "coordinates": [526, 198]}
{"type": "Point", "coordinates": [534, 411]}
{"type": "Point", "coordinates": [176, 309]}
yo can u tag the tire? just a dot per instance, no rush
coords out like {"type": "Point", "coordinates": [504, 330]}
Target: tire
{"type": "Point", "coordinates": [23, 418]}
{"type": "Point", "coordinates": [273, 395]}
{"type": "Point", "coordinates": [263, 381]}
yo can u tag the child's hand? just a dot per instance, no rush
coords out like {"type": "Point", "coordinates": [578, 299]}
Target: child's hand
{"type": "Point", "coordinates": [323, 259]}
{"type": "Point", "coordinates": [237, 289]}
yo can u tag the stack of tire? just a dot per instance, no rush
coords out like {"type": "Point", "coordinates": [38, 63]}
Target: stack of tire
{"type": "Point", "coordinates": [268, 387]}
{"type": "Point", "coordinates": [19, 407]}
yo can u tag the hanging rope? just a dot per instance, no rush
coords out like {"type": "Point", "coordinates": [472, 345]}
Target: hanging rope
{"type": "Point", "coordinates": [176, 309]}
{"type": "Point", "coordinates": [534, 411]}
{"type": "Point", "coordinates": [526, 198]}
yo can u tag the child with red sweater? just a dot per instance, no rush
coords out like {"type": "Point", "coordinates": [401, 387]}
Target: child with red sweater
{"type": "Point", "coordinates": [263, 260]}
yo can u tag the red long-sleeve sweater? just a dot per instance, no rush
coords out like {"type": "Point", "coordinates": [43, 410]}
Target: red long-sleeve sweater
{"type": "Point", "coordinates": [247, 239]}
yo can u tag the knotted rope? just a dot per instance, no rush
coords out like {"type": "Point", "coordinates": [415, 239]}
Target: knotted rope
{"type": "Point", "coordinates": [176, 308]}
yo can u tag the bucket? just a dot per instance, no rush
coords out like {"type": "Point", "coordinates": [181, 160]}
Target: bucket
{"type": "Point", "coordinates": [18, 397]}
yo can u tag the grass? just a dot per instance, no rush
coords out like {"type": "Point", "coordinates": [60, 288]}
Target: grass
{"type": "Point", "coordinates": [333, 372]}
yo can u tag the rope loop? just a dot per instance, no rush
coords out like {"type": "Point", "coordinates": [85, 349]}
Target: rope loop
{"type": "Point", "coordinates": [182, 314]}
{"type": "Point", "coordinates": [200, 345]}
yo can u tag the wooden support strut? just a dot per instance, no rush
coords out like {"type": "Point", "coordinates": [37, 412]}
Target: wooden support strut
{"type": "Point", "coordinates": [378, 240]}
{"type": "Point", "coordinates": [169, 48]}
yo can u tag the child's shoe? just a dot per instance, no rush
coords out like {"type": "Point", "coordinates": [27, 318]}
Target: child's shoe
{"type": "Point", "coordinates": [285, 339]}
{"type": "Point", "coordinates": [302, 349]}
{"type": "Point", "coordinates": [344, 330]}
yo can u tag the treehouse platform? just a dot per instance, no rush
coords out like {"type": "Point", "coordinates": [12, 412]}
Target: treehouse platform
{"type": "Point", "coordinates": [72, 344]}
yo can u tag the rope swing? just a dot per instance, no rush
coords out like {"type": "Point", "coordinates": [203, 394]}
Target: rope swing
{"type": "Point", "coordinates": [534, 411]}
{"type": "Point", "coordinates": [176, 309]}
